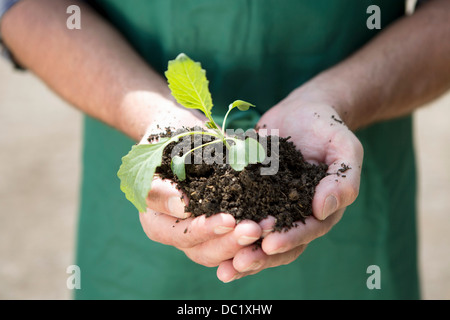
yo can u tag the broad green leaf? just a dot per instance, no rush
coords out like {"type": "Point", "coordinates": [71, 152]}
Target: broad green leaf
{"type": "Point", "coordinates": [254, 151]}
{"type": "Point", "coordinates": [241, 105]}
{"type": "Point", "coordinates": [177, 166]}
{"type": "Point", "coordinates": [137, 171]}
{"type": "Point", "coordinates": [188, 83]}
{"type": "Point", "coordinates": [244, 152]}
{"type": "Point", "coordinates": [236, 155]}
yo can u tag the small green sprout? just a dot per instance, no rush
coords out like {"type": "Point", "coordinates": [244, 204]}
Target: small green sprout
{"type": "Point", "coordinates": [189, 85]}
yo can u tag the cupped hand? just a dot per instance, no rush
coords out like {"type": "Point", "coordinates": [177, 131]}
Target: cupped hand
{"type": "Point", "coordinates": [206, 241]}
{"type": "Point", "coordinates": [322, 137]}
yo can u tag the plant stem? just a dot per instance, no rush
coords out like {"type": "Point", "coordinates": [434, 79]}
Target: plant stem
{"type": "Point", "coordinates": [225, 121]}
{"type": "Point", "coordinates": [197, 132]}
{"type": "Point", "coordinates": [203, 145]}
{"type": "Point", "coordinates": [230, 138]}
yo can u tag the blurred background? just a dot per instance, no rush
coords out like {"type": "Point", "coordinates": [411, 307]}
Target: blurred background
{"type": "Point", "coordinates": [40, 163]}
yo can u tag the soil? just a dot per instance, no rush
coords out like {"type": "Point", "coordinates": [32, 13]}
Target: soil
{"type": "Point", "coordinates": [213, 188]}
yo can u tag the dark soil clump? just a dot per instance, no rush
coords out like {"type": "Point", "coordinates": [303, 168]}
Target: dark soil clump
{"type": "Point", "coordinates": [215, 187]}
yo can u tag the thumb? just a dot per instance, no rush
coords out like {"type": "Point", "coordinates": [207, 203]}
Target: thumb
{"type": "Point", "coordinates": [164, 197]}
{"type": "Point", "coordinates": [337, 190]}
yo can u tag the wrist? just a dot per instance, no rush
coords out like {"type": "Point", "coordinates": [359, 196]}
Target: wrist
{"type": "Point", "coordinates": [328, 90]}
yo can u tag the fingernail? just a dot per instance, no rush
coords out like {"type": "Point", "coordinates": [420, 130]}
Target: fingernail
{"type": "Point", "coordinates": [254, 266]}
{"type": "Point", "coordinates": [222, 230]}
{"type": "Point", "coordinates": [236, 276]}
{"type": "Point", "coordinates": [176, 207]}
{"type": "Point", "coordinates": [244, 240]}
{"type": "Point", "coordinates": [276, 251]}
{"type": "Point", "coordinates": [265, 232]}
{"type": "Point", "coordinates": [329, 207]}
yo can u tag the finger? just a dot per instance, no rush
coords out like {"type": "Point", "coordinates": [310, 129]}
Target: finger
{"type": "Point", "coordinates": [335, 191]}
{"type": "Point", "coordinates": [264, 132]}
{"type": "Point", "coordinates": [185, 233]}
{"type": "Point", "coordinates": [303, 233]}
{"type": "Point", "coordinates": [164, 197]}
{"type": "Point", "coordinates": [226, 272]}
{"type": "Point", "coordinates": [211, 253]}
{"type": "Point", "coordinates": [340, 187]}
{"type": "Point", "coordinates": [249, 261]}
{"type": "Point", "coordinates": [267, 225]}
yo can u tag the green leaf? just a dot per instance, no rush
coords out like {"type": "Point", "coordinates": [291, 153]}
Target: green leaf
{"type": "Point", "coordinates": [243, 152]}
{"type": "Point", "coordinates": [241, 105]}
{"type": "Point", "coordinates": [177, 166]}
{"type": "Point", "coordinates": [188, 83]}
{"type": "Point", "coordinates": [137, 171]}
{"type": "Point", "coordinates": [236, 155]}
{"type": "Point", "coordinates": [254, 151]}
{"type": "Point", "coordinates": [210, 125]}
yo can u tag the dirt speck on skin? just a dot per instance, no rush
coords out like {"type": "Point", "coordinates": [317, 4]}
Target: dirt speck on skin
{"type": "Point", "coordinates": [213, 188]}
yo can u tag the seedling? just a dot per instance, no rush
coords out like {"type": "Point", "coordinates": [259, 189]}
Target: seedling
{"type": "Point", "coordinates": [189, 85]}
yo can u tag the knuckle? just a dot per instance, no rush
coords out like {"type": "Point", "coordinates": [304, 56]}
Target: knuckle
{"type": "Point", "coordinates": [291, 255]}
{"type": "Point", "coordinates": [191, 235]}
{"type": "Point", "coordinates": [210, 264]}
{"type": "Point", "coordinates": [359, 148]}
{"type": "Point", "coordinates": [352, 192]}
{"type": "Point", "coordinates": [322, 230]}
{"type": "Point", "coordinates": [186, 243]}
{"type": "Point", "coordinates": [195, 233]}
{"type": "Point", "coordinates": [151, 226]}
{"type": "Point", "coordinates": [152, 233]}
{"type": "Point", "coordinates": [201, 259]}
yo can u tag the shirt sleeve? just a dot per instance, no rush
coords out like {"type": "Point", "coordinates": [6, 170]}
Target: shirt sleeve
{"type": "Point", "coordinates": [5, 5]}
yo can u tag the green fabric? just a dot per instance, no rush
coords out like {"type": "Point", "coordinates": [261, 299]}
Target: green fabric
{"type": "Point", "coordinates": [257, 51]}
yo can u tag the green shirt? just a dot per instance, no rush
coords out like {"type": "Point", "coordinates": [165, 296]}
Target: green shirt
{"type": "Point", "coordinates": [257, 51]}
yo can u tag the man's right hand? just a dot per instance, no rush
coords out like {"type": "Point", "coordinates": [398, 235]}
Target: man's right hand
{"type": "Point", "coordinates": [207, 241]}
